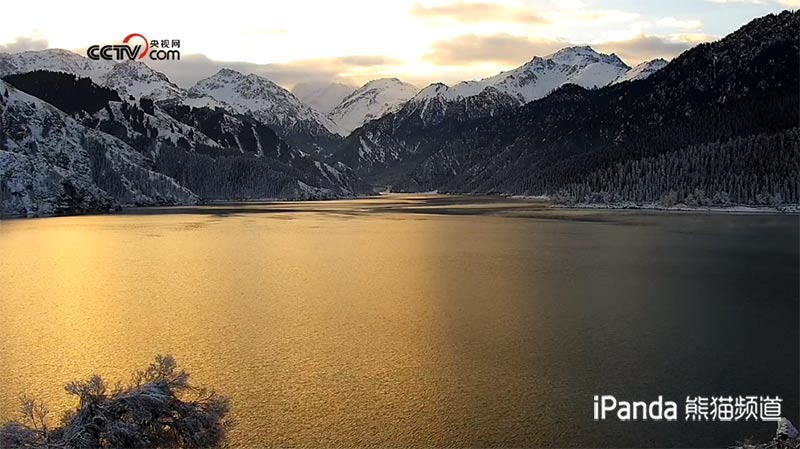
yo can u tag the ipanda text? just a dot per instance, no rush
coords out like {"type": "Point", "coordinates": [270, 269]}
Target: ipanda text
{"type": "Point", "coordinates": [697, 408]}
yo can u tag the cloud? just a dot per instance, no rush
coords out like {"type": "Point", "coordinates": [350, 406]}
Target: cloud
{"type": "Point", "coordinates": [193, 67]}
{"type": "Point", "coordinates": [643, 47]}
{"type": "Point", "coordinates": [360, 60]}
{"type": "Point", "coordinates": [506, 49]}
{"type": "Point", "coordinates": [671, 22]}
{"type": "Point", "coordinates": [498, 48]}
{"type": "Point", "coordinates": [24, 43]}
{"type": "Point", "coordinates": [476, 13]}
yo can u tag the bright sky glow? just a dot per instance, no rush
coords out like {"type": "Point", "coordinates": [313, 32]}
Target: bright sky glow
{"type": "Point", "coordinates": [420, 41]}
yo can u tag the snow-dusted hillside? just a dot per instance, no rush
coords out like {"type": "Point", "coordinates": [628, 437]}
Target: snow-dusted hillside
{"type": "Point", "coordinates": [128, 78]}
{"type": "Point", "coordinates": [155, 127]}
{"type": "Point", "coordinates": [50, 163]}
{"type": "Point", "coordinates": [322, 96]}
{"type": "Point", "coordinates": [273, 105]}
{"type": "Point", "coordinates": [103, 153]}
{"type": "Point", "coordinates": [371, 101]}
{"type": "Point", "coordinates": [302, 126]}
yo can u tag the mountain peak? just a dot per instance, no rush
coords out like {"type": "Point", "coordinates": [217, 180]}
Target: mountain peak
{"type": "Point", "coordinates": [233, 83]}
{"type": "Point", "coordinates": [373, 100]}
{"type": "Point", "coordinates": [140, 80]}
{"type": "Point", "coordinates": [226, 73]}
{"type": "Point", "coordinates": [568, 52]}
{"type": "Point", "coordinates": [431, 91]}
{"type": "Point", "coordinates": [582, 55]}
{"type": "Point", "coordinates": [391, 81]}
{"type": "Point", "coordinates": [574, 49]}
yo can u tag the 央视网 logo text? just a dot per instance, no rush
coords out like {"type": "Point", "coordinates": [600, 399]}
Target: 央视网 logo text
{"type": "Point", "coordinates": [136, 46]}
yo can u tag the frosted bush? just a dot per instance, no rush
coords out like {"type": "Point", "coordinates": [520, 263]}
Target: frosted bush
{"type": "Point", "coordinates": [159, 409]}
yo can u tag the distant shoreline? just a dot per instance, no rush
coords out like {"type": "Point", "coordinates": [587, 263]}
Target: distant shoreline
{"type": "Point", "coordinates": [544, 201]}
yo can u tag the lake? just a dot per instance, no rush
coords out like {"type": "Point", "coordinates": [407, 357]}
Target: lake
{"type": "Point", "coordinates": [413, 321]}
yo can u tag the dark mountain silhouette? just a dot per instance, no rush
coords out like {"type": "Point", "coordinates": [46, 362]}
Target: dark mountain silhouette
{"type": "Point", "coordinates": [727, 94]}
{"type": "Point", "coordinates": [63, 90]}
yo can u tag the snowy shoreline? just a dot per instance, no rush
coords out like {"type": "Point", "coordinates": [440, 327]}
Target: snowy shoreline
{"type": "Point", "coordinates": [731, 209]}
{"type": "Point", "coordinates": [543, 200]}
{"type": "Point", "coordinates": [737, 209]}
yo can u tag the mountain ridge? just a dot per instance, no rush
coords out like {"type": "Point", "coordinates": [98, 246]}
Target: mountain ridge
{"type": "Point", "coordinates": [744, 85]}
{"type": "Point", "coordinates": [716, 124]}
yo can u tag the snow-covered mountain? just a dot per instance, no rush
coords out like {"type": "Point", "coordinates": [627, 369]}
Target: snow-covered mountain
{"type": "Point", "coordinates": [371, 101]}
{"type": "Point", "coordinates": [68, 145]}
{"type": "Point", "coordinates": [671, 128]}
{"type": "Point", "coordinates": [435, 103]}
{"type": "Point", "coordinates": [55, 60]}
{"type": "Point", "coordinates": [128, 78]}
{"type": "Point", "coordinates": [540, 76]}
{"type": "Point", "coordinates": [137, 79]}
{"type": "Point", "coordinates": [50, 163]}
{"type": "Point", "coordinates": [395, 138]}
{"type": "Point", "coordinates": [298, 123]}
{"type": "Point", "coordinates": [302, 126]}
{"type": "Point", "coordinates": [322, 96]}
{"type": "Point", "coordinates": [580, 65]}
{"type": "Point", "coordinates": [642, 70]}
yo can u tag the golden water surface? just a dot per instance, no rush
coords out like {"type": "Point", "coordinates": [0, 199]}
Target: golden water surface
{"type": "Point", "coordinates": [402, 321]}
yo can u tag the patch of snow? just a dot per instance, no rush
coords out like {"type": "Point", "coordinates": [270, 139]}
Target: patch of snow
{"type": "Point", "coordinates": [642, 70]}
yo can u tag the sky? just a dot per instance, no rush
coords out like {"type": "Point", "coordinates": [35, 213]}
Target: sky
{"type": "Point", "coordinates": [354, 41]}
